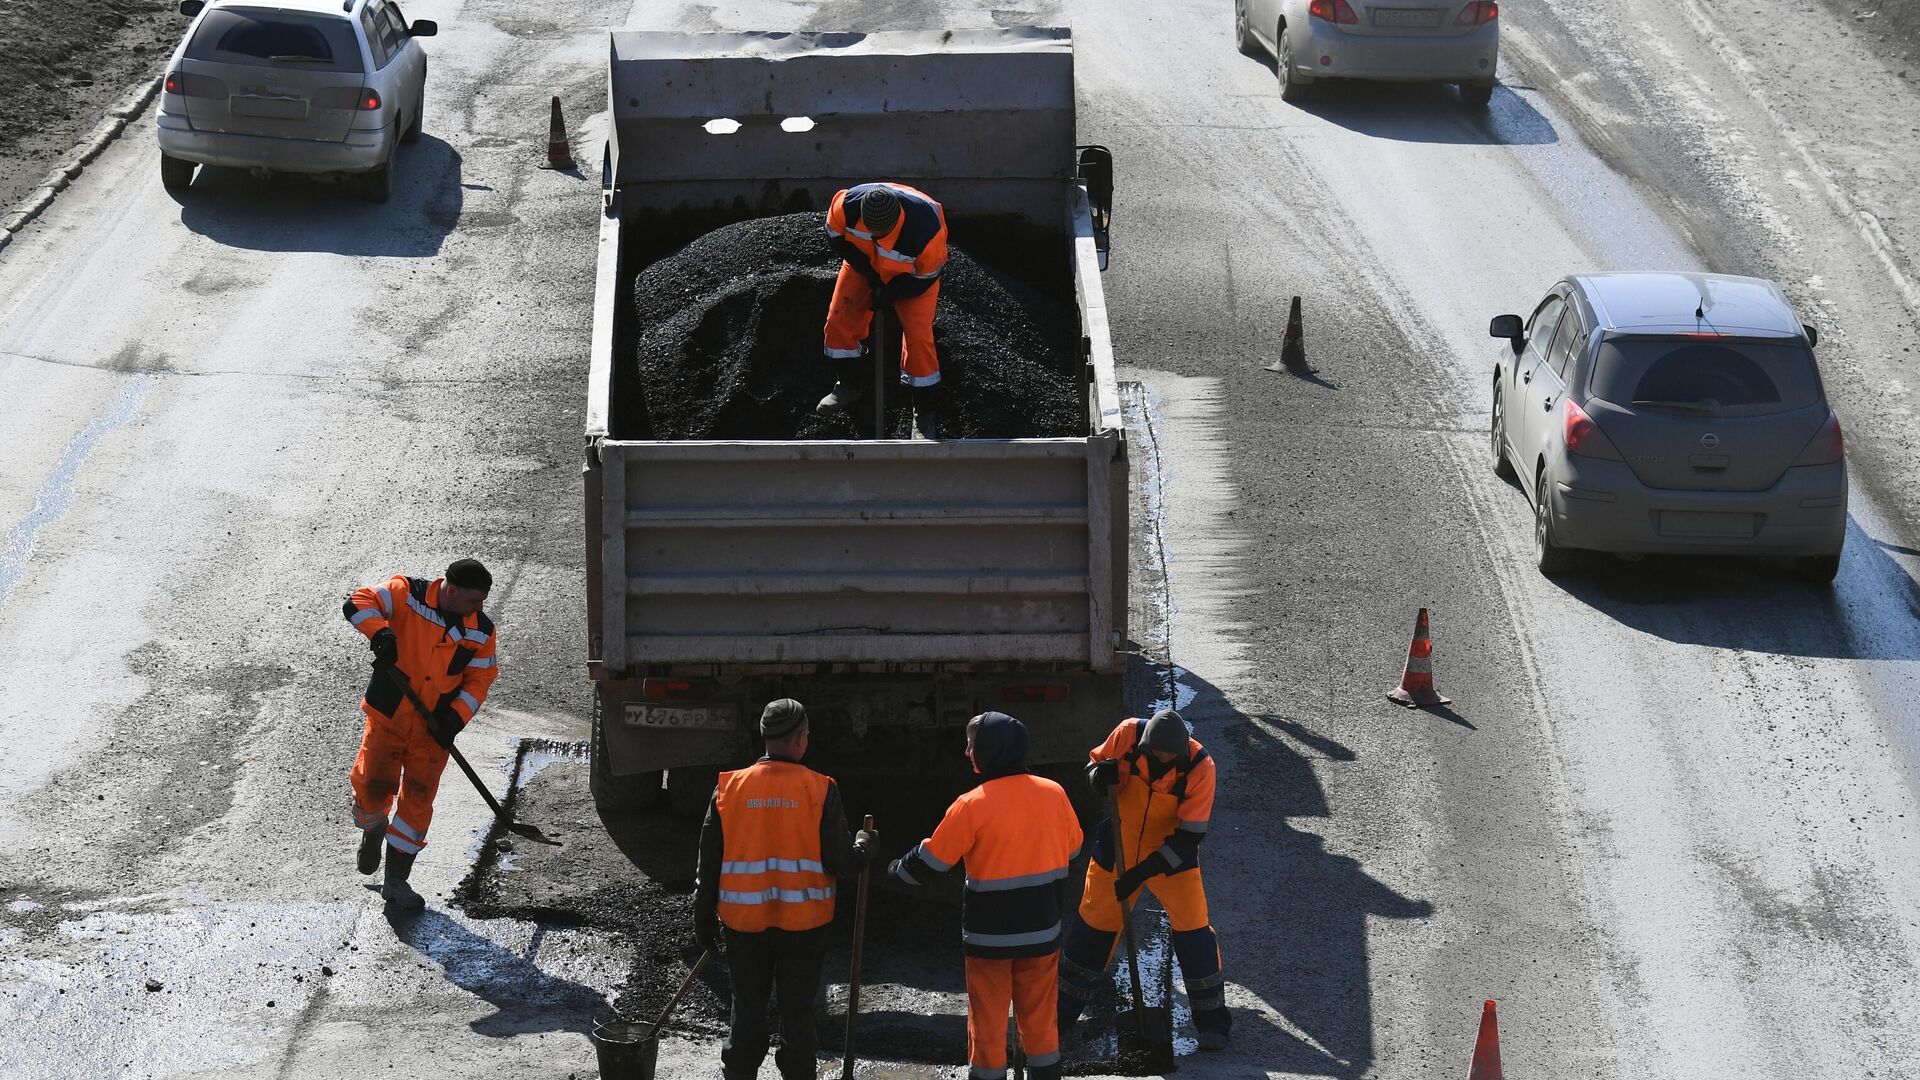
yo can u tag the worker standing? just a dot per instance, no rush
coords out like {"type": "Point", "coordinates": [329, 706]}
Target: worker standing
{"type": "Point", "coordinates": [893, 239]}
{"type": "Point", "coordinates": [773, 843]}
{"type": "Point", "coordinates": [434, 633]}
{"type": "Point", "coordinates": [1166, 784]}
{"type": "Point", "coordinates": [1017, 834]}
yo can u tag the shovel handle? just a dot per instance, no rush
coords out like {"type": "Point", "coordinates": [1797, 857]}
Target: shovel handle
{"type": "Point", "coordinates": [1126, 906]}
{"type": "Point", "coordinates": [400, 679]}
{"type": "Point", "coordinates": [853, 979]}
{"type": "Point", "coordinates": [661, 1024]}
{"type": "Point", "coordinates": [879, 371]}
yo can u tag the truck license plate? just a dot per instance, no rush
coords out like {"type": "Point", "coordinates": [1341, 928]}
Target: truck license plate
{"type": "Point", "coordinates": [694, 718]}
{"type": "Point", "coordinates": [1415, 18]}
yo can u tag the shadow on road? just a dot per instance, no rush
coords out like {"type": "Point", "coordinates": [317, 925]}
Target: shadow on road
{"type": "Point", "coordinates": [298, 213]}
{"type": "Point", "coordinates": [526, 998]}
{"type": "Point", "coordinates": [1425, 113]}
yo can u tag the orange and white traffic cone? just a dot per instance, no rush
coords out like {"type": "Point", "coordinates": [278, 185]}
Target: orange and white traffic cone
{"type": "Point", "coordinates": [1486, 1048]}
{"type": "Point", "coordinates": [559, 154]}
{"type": "Point", "coordinates": [1416, 682]}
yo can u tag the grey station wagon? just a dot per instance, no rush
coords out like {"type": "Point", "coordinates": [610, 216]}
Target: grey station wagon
{"type": "Point", "coordinates": [1667, 413]}
{"type": "Point", "coordinates": [306, 86]}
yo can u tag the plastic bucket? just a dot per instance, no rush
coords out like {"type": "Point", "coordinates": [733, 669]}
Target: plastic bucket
{"type": "Point", "coordinates": [627, 1049]}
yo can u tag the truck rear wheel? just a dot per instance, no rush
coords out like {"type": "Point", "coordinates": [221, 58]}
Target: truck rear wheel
{"type": "Point", "coordinates": [617, 794]}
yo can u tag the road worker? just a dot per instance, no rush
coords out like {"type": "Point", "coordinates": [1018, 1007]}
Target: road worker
{"type": "Point", "coordinates": [1017, 833]}
{"type": "Point", "coordinates": [1166, 782]}
{"type": "Point", "coordinates": [434, 634]}
{"type": "Point", "coordinates": [774, 841]}
{"type": "Point", "coordinates": [894, 243]}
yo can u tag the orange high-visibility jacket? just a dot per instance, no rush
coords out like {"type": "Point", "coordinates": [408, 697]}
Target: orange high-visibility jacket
{"type": "Point", "coordinates": [771, 876]}
{"type": "Point", "coordinates": [1017, 835]}
{"type": "Point", "coordinates": [439, 658]}
{"type": "Point", "coordinates": [913, 251]}
{"type": "Point", "coordinates": [1154, 812]}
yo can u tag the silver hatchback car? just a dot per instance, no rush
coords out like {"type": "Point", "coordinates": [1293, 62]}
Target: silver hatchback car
{"type": "Point", "coordinates": [307, 86]}
{"type": "Point", "coordinates": [1670, 414]}
{"type": "Point", "coordinates": [1312, 41]}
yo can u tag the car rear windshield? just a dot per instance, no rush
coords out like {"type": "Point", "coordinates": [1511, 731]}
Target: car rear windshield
{"type": "Point", "coordinates": [259, 37]}
{"type": "Point", "coordinates": [1722, 377]}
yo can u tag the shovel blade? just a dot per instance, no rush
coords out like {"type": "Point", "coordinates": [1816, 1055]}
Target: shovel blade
{"type": "Point", "coordinates": [1146, 1040]}
{"type": "Point", "coordinates": [532, 833]}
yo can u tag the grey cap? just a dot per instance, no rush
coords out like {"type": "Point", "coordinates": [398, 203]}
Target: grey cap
{"type": "Point", "coordinates": [879, 210]}
{"type": "Point", "coordinates": [1167, 733]}
{"type": "Point", "coordinates": [781, 718]}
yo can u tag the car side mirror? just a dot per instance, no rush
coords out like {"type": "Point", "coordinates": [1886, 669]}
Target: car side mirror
{"type": "Point", "coordinates": [1095, 170]}
{"type": "Point", "coordinates": [192, 7]}
{"type": "Point", "coordinates": [424, 28]}
{"type": "Point", "coordinates": [1813, 334]}
{"type": "Point", "coordinates": [1509, 327]}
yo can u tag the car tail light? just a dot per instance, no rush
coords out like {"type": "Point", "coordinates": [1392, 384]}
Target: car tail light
{"type": "Point", "coordinates": [176, 82]}
{"type": "Point", "coordinates": [369, 99]}
{"type": "Point", "coordinates": [1827, 445]}
{"type": "Point", "coordinates": [1584, 437]}
{"type": "Point", "coordinates": [1333, 11]}
{"type": "Point", "coordinates": [666, 689]}
{"type": "Point", "coordinates": [1478, 12]}
{"type": "Point", "coordinates": [1053, 692]}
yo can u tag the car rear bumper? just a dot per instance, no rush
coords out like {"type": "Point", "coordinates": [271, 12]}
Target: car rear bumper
{"type": "Point", "coordinates": [362, 151]}
{"type": "Point", "coordinates": [1602, 506]}
{"type": "Point", "coordinates": [1470, 57]}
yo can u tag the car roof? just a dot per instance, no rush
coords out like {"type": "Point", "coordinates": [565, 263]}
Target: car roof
{"type": "Point", "coordinates": [313, 7]}
{"type": "Point", "coordinates": [1664, 303]}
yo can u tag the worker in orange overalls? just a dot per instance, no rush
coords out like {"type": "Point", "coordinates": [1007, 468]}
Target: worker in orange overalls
{"type": "Point", "coordinates": [894, 243]}
{"type": "Point", "coordinates": [1017, 833]}
{"type": "Point", "coordinates": [434, 634]}
{"type": "Point", "coordinates": [1166, 783]}
{"type": "Point", "coordinates": [774, 841]}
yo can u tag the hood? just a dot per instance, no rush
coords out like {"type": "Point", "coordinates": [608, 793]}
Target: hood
{"type": "Point", "coordinates": [999, 746]}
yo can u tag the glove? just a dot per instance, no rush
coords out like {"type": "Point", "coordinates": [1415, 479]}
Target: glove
{"type": "Point", "coordinates": [1103, 775]}
{"type": "Point", "coordinates": [706, 930]}
{"type": "Point", "coordinates": [898, 868]}
{"type": "Point", "coordinates": [864, 840]}
{"type": "Point", "coordinates": [1129, 883]}
{"type": "Point", "coordinates": [386, 648]}
{"type": "Point", "coordinates": [444, 724]}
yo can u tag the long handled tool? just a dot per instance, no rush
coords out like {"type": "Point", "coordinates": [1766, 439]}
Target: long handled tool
{"type": "Point", "coordinates": [853, 980]}
{"type": "Point", "coordinates": [1143, 1034]}
{"type": "Point", "coordinates": [660, 1025]}
{"type": "Point", "coordinates": [530, 832]}
{"type": "Point", "coordinates": [879, 371]}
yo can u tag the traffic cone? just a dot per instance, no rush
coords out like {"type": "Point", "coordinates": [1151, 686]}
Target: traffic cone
{"type": "Point", "coordinates": [559, 154]}
{"type": "Point", "coordinates": [1416, 682]}
{"type": "Point", "coordinates": [1293, 349]}
{"type": "Point", "coordinates": [1486, 1048]}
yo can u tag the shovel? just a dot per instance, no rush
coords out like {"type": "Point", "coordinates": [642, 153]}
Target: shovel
{"type": "Point", "coordinates": [879, 371]}
{"type": "Point", "coordinates": [530, 832]}
{"type": "Point", "coordinates": [1146, 1035]}
{"type": "Point", "coordinates": [853, 980]}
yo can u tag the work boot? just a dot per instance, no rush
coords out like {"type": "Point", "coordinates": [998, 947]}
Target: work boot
{"type": "Point", "coordinates": [1212, 1026]}
{"type": "Point", "coordinates": [1067, 1014]}
{"type": "Point", "coordinates": [371, 841]}
{"type": "Point", "coordinates": [928, 421]}
{"type": "Point", "coordinates": [843, 394]}
{"type": "Point", "coordinates": [396, 891]}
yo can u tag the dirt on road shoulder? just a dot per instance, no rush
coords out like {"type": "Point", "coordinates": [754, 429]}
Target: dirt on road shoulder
{"type": "Point", "coordinates": [70, 60]}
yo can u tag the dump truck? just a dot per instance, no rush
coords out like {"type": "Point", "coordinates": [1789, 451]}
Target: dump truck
{"type": "Point", "coordinates": [897, 587]}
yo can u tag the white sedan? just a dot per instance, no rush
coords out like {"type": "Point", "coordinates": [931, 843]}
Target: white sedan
{"type": "Point", "coordinates": [1455, 41]}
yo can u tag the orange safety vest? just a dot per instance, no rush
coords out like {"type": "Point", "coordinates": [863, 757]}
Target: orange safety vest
{"type": "Point", "coordinates": [1017, 835]}
{"type": "Point", "coordinates": [1152, 810]}
{"type": "Point", "coordinates": [771, 877]}
{"type": "Point", "coordinates": [456, 662]}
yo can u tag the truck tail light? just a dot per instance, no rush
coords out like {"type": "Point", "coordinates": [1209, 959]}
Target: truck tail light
{"type": "Point", "coordinates": [667, 689]}
{"type": "Point", "coordinates": [1584, 437]}
{"type": "Point", "coordinates": [1478, 12]}
{"type": "Point", "coordinates": [1827, 445]}
{"type": "Point", "coordinates": [1047, 692]}
{"type": "Point", "coordinates": [1333, 11]}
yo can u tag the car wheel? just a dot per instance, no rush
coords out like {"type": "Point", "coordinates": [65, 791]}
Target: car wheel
{"type": "Point", "coordinates": [1549, 556]}
{"type": "Point", "coordinates": [1818, 569]}
{"type": "Point", "coordinates": [1292, 90]}
{"type": "Point", "coordinates": [175, 173]}
{"type": "Point", "coordinates": [617, 794]}
{"type": "Point", "coordinates": [1242, 32]}
{"type": "Point", "coordinates": [1502, 466]}
{"type": "Point", "coordinates": [1476, 95]}
{"type": "Point", "coordinates": [376, 186]}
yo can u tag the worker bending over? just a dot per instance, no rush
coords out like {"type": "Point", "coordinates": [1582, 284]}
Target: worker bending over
{"type": "Point", "coordinates": [774, 841]}
{"type": "Point", "coordinates": [1017, 833]}
{"type": "Point", "coordinates": [1166, 783]}
{"type": "Point", "coordinates": [894, 243]}
{"type": "Point", "coordinates": [435, 636]}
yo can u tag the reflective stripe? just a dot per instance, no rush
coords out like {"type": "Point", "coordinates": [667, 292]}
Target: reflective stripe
{"type": "Point", "coordinates": [1194, 826]}
{"type": "Point", "coordinates": [1173, 857]}
{"type": "Point", "coordinates": [892, 255]}
{"type": "Point", "coordinates": [1420, 665]}
{"type": "Point", "coordinates": [761, 866]}
{"type": "Point", "coordinates": [1008, 941]}
{"type": "Point", "coordinates": [831, 231]}
{"type": "Point", "coordinates": [478, 637]}
{"type": "Point", "coordinates": [772, 895]}
{"type": "Point", "coordinates": [931, 274]}
{"type": "Point", "coordinates": [367, 821]}
{"type": "Point", "coordinates": [1021, 882]}
{"type": "Point", "coordinates": [842, 354]}
{"type": "Point", "coordinates": [481, 662]}
{"type": "Point", "coordinates": [363, 615]}
{"type": "Point", "coordinates": [407, 830]}
{"type": "Point", "coordinates": [926, 856]}
{"type": "Point", "coordinates": [919, 380]}
{"type": "Point", "coordinates": [425, 612]}
{"type": "Point", "coordinates": [900, 871]}
{"type": "Point", "coordinates": [401, 843]}
{"type": "Point", "coordinates": [385, 596]}
{"type": "Point", "coordinates": [473, 703]}
{"type": "Point", "coordinates": [861, 233]}
{"type": "Point", "coordinates": [1041, 1061]}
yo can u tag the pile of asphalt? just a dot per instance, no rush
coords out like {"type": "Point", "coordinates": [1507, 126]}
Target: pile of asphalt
{"type": "Point", "coordinates": [728, 339]}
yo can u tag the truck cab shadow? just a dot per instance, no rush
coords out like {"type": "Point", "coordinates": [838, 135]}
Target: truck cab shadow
{"type": "Point", "coordinates": [296, 213]}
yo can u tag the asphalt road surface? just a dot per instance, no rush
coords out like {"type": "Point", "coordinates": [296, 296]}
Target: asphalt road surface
{"type": "Point", "coordinates": [1669, 821]}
